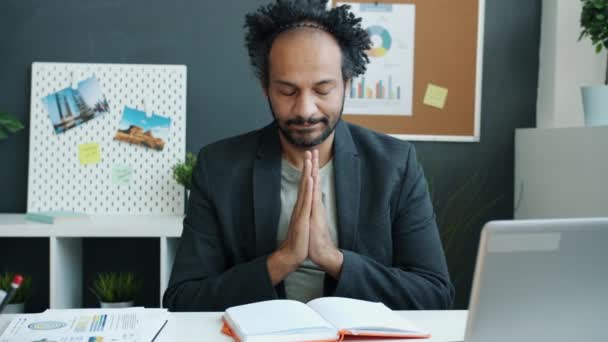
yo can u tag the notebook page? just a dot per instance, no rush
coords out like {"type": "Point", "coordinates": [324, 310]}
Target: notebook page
{"type": "Point", "coordinates": [275, 316]}
{"type": "Point", "coordinates": [354, 314]}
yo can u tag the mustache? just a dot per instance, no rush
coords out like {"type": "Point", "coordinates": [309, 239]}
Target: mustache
{"type": "Point", "coordinates": [311, 121]}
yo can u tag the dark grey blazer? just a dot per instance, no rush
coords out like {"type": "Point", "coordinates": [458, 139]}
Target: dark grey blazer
{"type": "Point", "coordinates": [386, 225]}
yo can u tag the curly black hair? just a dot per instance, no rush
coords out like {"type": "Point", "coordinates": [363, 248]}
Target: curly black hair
{"type": "Point", "coordinates": [269, 21]}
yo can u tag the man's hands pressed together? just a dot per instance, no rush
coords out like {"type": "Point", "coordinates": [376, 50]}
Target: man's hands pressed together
{"type": "Point", "coordinates": [294, 250]}
{"type": "Point", "coordinates": [321, 249]}
{"type": "Point", "coordinates": [308, 234]}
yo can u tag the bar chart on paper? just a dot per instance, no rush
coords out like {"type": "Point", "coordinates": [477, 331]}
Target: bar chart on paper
{"type": "Point", "coordinates": [386, 88]}
{"type": "Point", "coordinates": [379, 90]}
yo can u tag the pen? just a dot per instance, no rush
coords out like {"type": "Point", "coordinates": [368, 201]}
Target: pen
{"type": "Point", "coordinates": [17, 280]}
{"type": "Point", "coordinates": [159, 330]}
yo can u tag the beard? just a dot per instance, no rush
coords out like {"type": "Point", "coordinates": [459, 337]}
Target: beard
{"type": "Point", "coordinates": [303, 140]}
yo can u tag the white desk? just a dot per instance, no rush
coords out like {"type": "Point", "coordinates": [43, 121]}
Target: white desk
{"type": "Point", "coordinates": [445, 326]}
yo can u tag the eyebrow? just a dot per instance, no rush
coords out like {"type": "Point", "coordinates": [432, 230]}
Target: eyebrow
{"type": "Point", "coordinates": [322, 82]}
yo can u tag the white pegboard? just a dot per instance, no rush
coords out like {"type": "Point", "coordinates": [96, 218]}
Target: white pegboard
{"type": "Point", "coordinates": [57, 181]}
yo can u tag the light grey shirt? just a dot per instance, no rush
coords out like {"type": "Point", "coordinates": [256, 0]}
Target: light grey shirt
{"type": "Point", "coordinates": [306, 283]}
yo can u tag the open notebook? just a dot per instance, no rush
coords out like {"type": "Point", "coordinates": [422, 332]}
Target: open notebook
{"type": "Point", "coordinates": [323, 319]}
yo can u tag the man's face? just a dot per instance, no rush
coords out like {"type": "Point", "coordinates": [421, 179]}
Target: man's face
{"type": "Point", "coordinates": [305, 90]}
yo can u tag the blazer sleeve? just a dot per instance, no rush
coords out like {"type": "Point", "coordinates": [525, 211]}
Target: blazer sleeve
{"type": "Point", "coordinates": [418, 278]}
{"type": "Point", "coordinates": [201, 279]}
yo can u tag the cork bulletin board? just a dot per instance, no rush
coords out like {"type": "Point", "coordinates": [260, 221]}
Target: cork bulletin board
{"type": "Point", "coordinates": [447, 55]}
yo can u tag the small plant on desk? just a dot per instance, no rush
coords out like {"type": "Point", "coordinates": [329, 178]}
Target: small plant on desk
{"type": "Point", "coordinates": [17, 304]}
{"type": "Point", "coordinates": [116, 290]}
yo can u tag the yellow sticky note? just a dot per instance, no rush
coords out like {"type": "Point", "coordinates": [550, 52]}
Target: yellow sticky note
{"type": "Point", "coordinates": [89, 153]}
{"type": "Point", "coordinates": [435, 96]}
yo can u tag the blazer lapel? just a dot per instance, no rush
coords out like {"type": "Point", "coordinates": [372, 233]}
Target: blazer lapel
{"type": "Point", "coordinates": [266, 190]}
{"type": "Point", "coordinates": [348, 184]}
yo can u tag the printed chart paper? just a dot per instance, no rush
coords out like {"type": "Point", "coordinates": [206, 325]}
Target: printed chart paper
{"type": "Point", "coordinates": [386, 88]}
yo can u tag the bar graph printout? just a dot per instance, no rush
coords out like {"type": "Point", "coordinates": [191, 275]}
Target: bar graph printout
{"type": "Point", "coordinates": [78, 325]}
{"type": "Point", "coordinates": [387, 86]}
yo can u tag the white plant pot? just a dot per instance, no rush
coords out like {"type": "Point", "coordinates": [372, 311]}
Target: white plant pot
{"type": "Point", "coordinates": [17, 308]}
{"type": "Point", "coordinates": [595, 105]}
{"type": "Point", "coordinates": [116, 305]}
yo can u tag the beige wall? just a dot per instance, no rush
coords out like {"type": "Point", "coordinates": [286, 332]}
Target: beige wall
{"type": "Point", "coordinates": [565, 65]}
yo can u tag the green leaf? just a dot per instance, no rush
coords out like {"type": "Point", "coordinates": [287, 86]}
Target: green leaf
{"type": "Point", "coordinates": [598, 48]}
{"type": "Point", "coordinates": [10, 123]}
{"type": "Point", "coordinates": [116, 287]}
{"type": "Point", "coordinates": [182, 172]}
{"type": "Point", "coordinates": [599, 4]}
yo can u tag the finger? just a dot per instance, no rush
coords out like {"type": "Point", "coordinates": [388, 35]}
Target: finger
{"type": "Point", "coordinates": [316, 178]}
{"type": "Point", "coordinates": [307, 157]}
{"type": "Point", "coordinates": [297, 207]}
{"type": "Point", "coordinates": [317, 192]}
{"type": "Point", "coordinates": [314, 174]}
{"type": "Point", "coordinates": [315, 163]}
{"type": "Point", "coordinates": [304, 183]}
{"type": "Point", "coordinates": [305, 170]}
{"type": "Point", "coordinates": [307, 202]}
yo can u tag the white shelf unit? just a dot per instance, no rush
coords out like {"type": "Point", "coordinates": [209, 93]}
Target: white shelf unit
{"type": "Point", "coordinates": [65, 246]}
{"type": "Point", "coordinates": [561, 172]}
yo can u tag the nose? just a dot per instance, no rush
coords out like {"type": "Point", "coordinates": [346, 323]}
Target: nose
{"type": "Point", "coordinates": [305, 106]}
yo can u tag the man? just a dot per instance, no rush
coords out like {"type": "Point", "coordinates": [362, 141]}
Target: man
{"type": "Point", "coordinates": [308, 206]}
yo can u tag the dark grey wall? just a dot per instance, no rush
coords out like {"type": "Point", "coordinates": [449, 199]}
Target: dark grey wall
{"type": "Point", "coordinates": [471, 183]}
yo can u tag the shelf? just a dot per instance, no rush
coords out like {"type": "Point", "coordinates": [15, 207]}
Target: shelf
{"type": "Point", "coordinates": [574, 132]}
{"type": "Point", "coordinates": [65, 248]}
{"type": "Point", "coordinates": [15, 225]}
{"type": "Point", "coordinates": [26, 264]}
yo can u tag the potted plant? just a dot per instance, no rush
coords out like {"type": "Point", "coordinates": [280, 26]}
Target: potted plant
{"type": "Point", "coordinates": [182, 172]}
{"type": "Point", "coordinates": [116, 290]}
{"type": "Point", "coordinates": [594, 23]}
{"type": "Point", "coordinates": [8, 124]}
{"type": "Point", "coordinates": [17, 304]}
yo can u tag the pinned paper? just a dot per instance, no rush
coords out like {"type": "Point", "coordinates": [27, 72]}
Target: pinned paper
{"type": "Point", "coordinates": [435, 96]}
{"type": "Point", "coordinates": [72, 107]}
{"type": "Point", "coordinates": [139, 129]}
{"type": "Point", "coordinates": [122, 174]}
{"type": "Point", "coordinates": [89, 153]}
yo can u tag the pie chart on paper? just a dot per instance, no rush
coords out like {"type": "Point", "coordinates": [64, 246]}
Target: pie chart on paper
{"type": "Point", "coordinates": [379, 34]}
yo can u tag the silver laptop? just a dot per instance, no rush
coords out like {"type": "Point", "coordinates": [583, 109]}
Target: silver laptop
{"type": "Point", "coordinates": [541, 281]}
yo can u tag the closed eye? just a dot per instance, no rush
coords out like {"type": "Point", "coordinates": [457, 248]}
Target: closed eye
{"type": "Point", "coordinates": [288, 93]}
{"type": "Point", "coordinates": [324, 90]}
